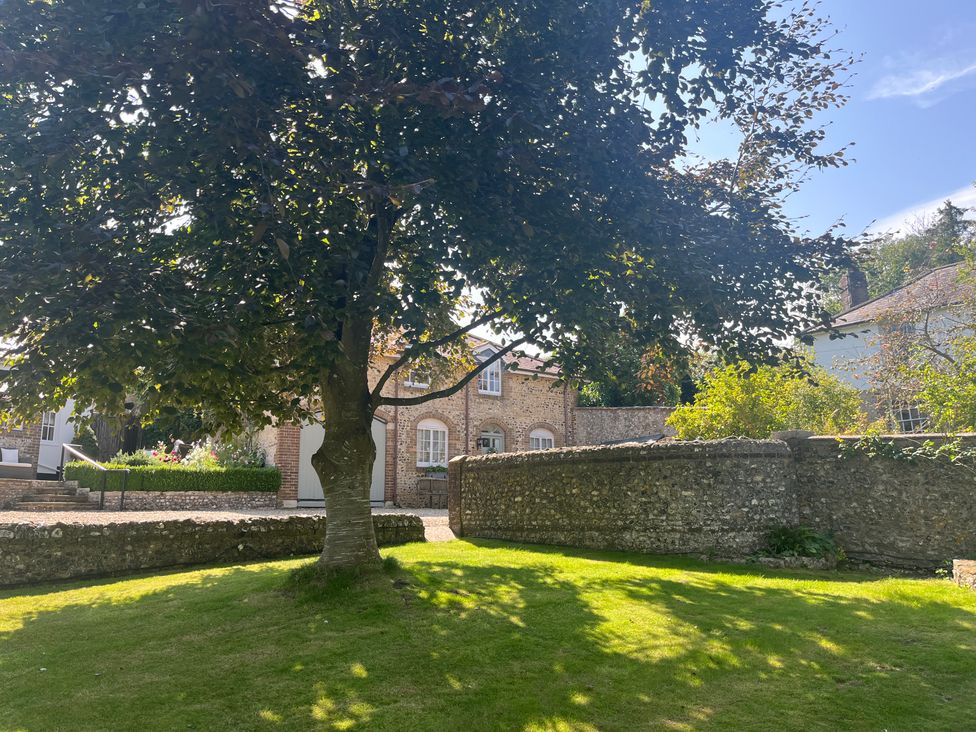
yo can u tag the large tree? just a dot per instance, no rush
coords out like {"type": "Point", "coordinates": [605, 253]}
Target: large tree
{"type": "Point", "coordinates": [227, 206]}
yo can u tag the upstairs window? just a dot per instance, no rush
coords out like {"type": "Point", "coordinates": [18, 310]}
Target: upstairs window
{"type": "Point", "coordinates": [418, 379]}
{"type": "Point", "coordinates": [541, 439]}
{"type": "Point", "coordinates": [490, 380]}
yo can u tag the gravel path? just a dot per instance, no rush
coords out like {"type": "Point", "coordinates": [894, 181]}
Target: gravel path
{"type": "Point", "coordinates": [435, 520]}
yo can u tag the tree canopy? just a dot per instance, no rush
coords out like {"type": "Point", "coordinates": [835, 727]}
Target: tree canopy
{"type": "Point", "coordinates": [194, 195]}
{"type": "Point", "coordinates": [227, 206]}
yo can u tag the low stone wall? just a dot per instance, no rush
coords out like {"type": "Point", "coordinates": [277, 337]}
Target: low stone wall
{"type": "Point", "coordinates": [964, 573]}
{"type": "Point", "coordinates": [187, 500]}
{"type": "Point", "coordinates": [31, 553]}
{"type": "Point", "coordinates": [596, 425]}
{"type": "Point", "coordinates": [915, 514]}
{"type": "Point", "coordinates": [677, 498]}
{"type": "Point", "coordinates": [12, 489]}
{"type": "Point", "coordinates": [721, 497]}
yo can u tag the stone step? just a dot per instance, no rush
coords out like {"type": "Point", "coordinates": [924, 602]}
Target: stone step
{"type": "Point", "coordinates": [56, 497]}
{"type": "Point", "coordinates": [53, 506]}
{"type": "Point", "coordinates": [54, 489]}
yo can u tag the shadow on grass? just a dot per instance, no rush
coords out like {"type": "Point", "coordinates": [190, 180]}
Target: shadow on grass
{"type": "Point", "coordinates": [492, 636]}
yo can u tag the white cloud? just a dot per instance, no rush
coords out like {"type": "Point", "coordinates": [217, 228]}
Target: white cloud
{"type": "Point", "coordinates": [902, 221]}
{"type": "Point", "coordinates": [920, 84]}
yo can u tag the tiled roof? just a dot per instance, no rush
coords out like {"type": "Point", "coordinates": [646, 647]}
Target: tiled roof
{"type": "Point", "coordinates": [522, 363]}
{"type": "Point", "coordinates": [936, 288]}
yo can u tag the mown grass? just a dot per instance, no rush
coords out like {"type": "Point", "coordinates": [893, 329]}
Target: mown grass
{"type": "Point", "coordinates": [487, 636]}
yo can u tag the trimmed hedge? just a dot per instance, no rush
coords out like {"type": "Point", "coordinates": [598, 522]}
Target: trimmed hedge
{"type": "Point", "coordinates": [175, 478]}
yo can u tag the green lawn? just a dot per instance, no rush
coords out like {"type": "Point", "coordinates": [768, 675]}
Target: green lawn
{"type": "Point", "coordinates": [492, 636]}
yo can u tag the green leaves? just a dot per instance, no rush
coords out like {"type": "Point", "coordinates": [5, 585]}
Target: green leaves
{"type": "Point", "coordinates": [229, 192]}
{"type": "Point", "coordinates": [739, 401]}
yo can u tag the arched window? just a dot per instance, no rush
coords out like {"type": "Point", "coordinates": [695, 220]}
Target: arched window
{"type": "Point", "coordinates": [491, 440]}
{"type": "Point", "coordinates": [541, 439]}
{"type": "Point", "coordinates": [431, 443]}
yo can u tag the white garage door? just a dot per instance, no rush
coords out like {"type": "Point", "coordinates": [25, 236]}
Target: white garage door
{"type": "Point", "coordinates": [309, 487]}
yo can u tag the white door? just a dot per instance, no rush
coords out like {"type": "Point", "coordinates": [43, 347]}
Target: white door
{"type": "Point", "coordinates": [309, 487]}
{"type": "Point", "coordinates": [56, 429]}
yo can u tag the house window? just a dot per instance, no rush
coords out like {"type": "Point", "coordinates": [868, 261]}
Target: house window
{"type": "Point", "coordinates": [48, 421]}
{"type": "Point", "coordinates": [540, 439]}
{"type": "Point", "coordinates": [418, 379]}
{"type": "Point", "coordinates": [910, 419]}
{"type": "Point", "coordinates": [490, 380]}
{"type": "Point", "coordinates": [491, 440]}
{"type": "Point", "coordinates": [431, 444]}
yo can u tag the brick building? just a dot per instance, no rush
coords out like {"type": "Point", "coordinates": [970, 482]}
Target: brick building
{"type": "Point", "coordinates": [26, 440]}
{"type": "Point", "coordinates": [517, 404]}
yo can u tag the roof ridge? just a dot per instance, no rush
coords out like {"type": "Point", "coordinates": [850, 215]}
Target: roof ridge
{"type": "Point", "coordinates": [900, 287]}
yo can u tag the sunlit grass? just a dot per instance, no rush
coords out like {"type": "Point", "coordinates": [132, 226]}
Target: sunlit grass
{"type": "Point", "coordinates": [458, 636]}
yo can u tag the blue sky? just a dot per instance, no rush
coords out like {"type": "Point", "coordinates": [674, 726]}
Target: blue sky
{"type": "Point", "coordinates": [912, 116]}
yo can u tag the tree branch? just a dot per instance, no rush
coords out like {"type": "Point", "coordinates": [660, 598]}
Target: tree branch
{"type": "Point", "coordinates": [380, 400]}
{"type": "Point", "coordinates": [416, 349]}
{"type": "Point", "coordinates": [929, 343]}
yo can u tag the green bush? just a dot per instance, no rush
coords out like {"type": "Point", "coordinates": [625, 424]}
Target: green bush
{"type": "Point", "coordinates": [739, 401]}
{"type": "Point", "coordinates": [175, 478]}
{"type": "Point", "coordinates": [800, 541]}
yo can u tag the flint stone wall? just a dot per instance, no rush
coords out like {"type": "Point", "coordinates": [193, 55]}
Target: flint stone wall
{"type": "Point", "coordinates": [31, 553]}
{"type": "Point", "coordinates": [964, 573]}
{"type": "Point", "coordinates": [915, 514]}
{"type": "Point", "coordinates": [187, 500]}
{"type": "Point", "coordinates": [674, 498]}
{"type": "Point", "coordinates": [720, 497]}
{"type": "Point", "coordinates": [596, 425]}
{"type": "Point", "coordinates": [13, 489]}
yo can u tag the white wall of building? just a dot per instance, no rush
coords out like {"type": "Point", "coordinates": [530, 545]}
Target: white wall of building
{"type": "Point", "coordinates": [56, 429]}
{"type": "Point", "coordinates": [845, 357]}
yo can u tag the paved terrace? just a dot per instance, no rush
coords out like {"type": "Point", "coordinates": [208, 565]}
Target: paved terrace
{"type": "Point", "coordinates": [435, 520]}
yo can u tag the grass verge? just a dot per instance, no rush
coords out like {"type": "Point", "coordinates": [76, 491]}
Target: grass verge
{"type": "Point", "coordinates": [486, 636]}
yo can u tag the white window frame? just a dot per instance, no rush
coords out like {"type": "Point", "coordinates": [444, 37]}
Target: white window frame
{"type": "Point", "coordinates": [418, 379]}
{"type": "Point", "coordinates": [909, 419]}
{"type": "Point", "coordinates": [432, 446]}
{"type": "Point", "coordinates": [541, 439]}
{"type": "Point", "coordinates": [490, 379]}
{"type": "Point", "coordinates": [492, 433]}
{"type": "Point", "coordinates": [49, 422]}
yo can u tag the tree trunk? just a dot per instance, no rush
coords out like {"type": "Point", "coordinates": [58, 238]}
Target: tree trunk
{"type": "Point", "coordinates": [344, 465]}
{"type": "Point", "coordinates": [108, 435]}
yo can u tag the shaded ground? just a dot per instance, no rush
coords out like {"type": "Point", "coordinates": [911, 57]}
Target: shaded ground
{"type": "Point", "coordinates": [485, 636]}
{"type": "Point", "coordinates": [435, 520]}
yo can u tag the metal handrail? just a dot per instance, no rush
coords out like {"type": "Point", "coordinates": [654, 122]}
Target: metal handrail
{"type": "Point", "coordinates": [67, 449]}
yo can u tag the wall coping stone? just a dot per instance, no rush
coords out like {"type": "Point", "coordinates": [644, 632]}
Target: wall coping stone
{"type": "Point", "coordinates": [621, 409]}
{"type": "Point", "coordinates": [899, 437]}
{"type": "Point", "coordinates": [635, 452]}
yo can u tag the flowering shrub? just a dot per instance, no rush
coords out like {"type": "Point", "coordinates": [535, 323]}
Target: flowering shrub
{"type": "Point", "coordinates": [202, 456]}
{"type": "Point", "coordinates": [145, 457]}
{"type": "Point", "coordinates": [209, 454]}
{"type": "Point", "coordinates": [242, 452]}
